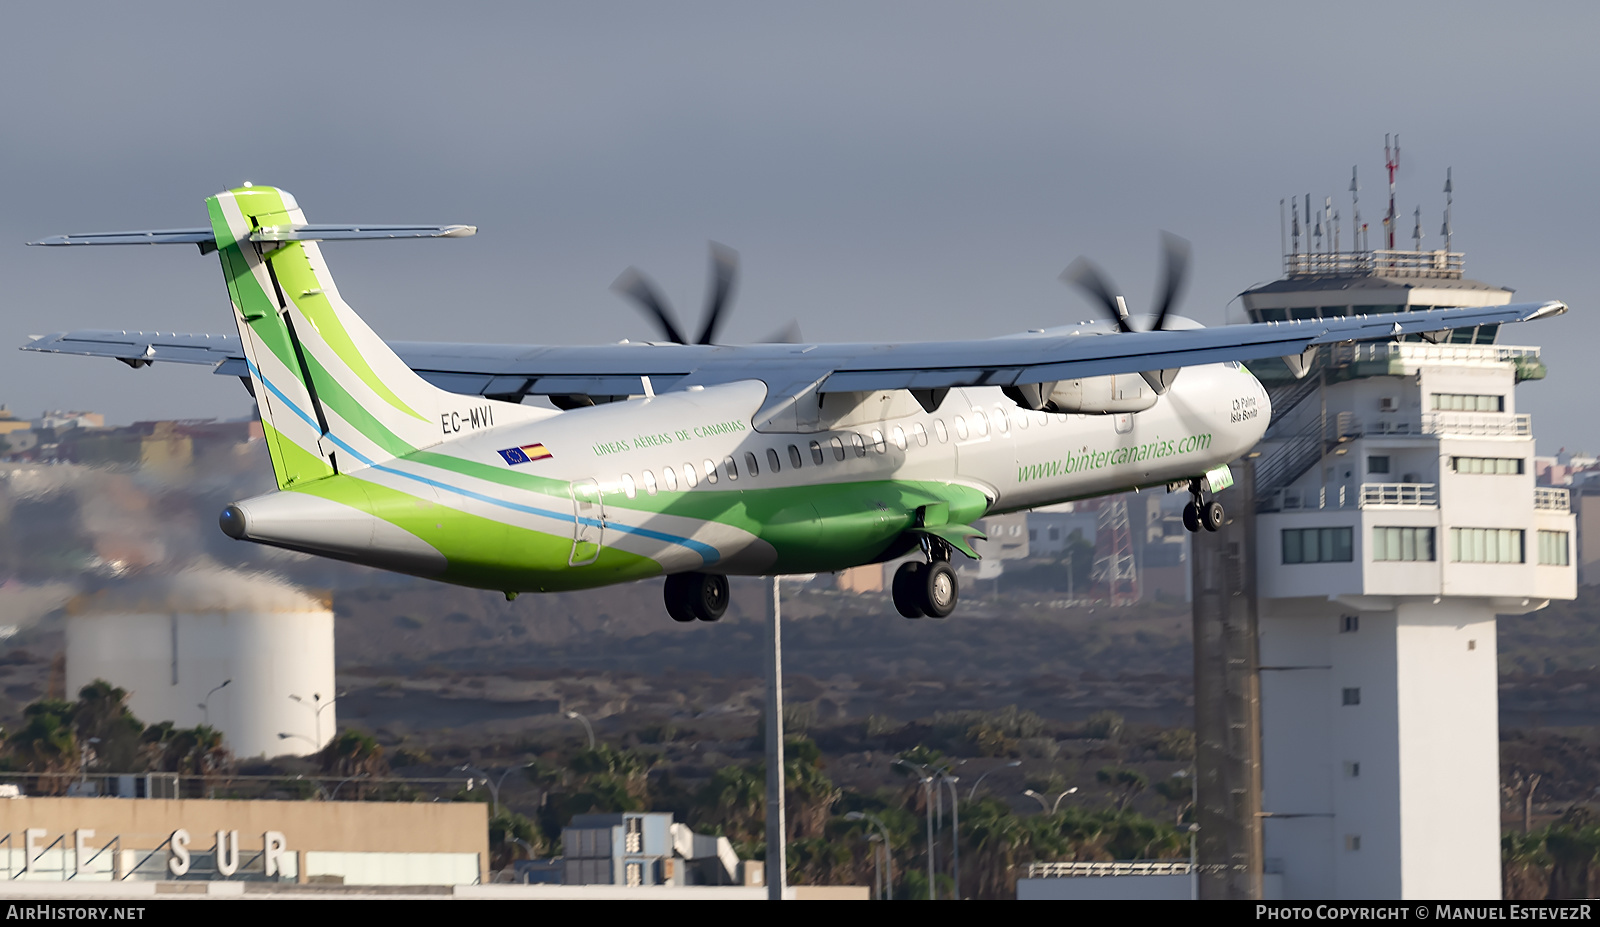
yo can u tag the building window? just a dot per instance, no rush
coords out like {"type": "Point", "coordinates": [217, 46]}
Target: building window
{"type": "Point", "coordinates": [1486, 545]}
{"type": "Point", "coordinates": [1378, 464]}
{"type": "Point", "coordinates": [1402, 544]}
{"type": "Point", "coordinates": [1317, 545]}
{"type": "Point", "coordinates": [1509, 465]}
{"type": "Point", "coordinates": [1553, 548]}
{"type": "Point", "coordinates": [635, 837]}
{"type": "Point", "coordinates": [1349, 624]}
{"type": "Point", "coordinates": [1352, 696]}
{"type": "Point", "coordinates": [1461, 402]}
{"type": "Point", "coordinates": [635, 874]}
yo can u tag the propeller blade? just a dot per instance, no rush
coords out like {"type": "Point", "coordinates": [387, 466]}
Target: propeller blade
{"type": "Point", "coordinates": [724, 274]}
{"type": "Point", "coordinates": [789, 334]}
{"type": "Point", "coordinates": [637, 287]}
{"type": "Point", "coordinates": [1175, 267]}
{"type": "Point", "coordinates": [1088, 278]}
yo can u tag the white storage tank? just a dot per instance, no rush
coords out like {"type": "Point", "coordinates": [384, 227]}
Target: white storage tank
{"type": "Point", "coordinates": [247, 653]}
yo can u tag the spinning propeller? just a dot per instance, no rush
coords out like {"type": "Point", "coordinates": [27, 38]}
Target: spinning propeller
{"type": "Point", "coordinates": [724, 273]}
{"type": "Point", "coordinates": [1175, 266]}
{"type": "Point", "coordinates": [633, 284]}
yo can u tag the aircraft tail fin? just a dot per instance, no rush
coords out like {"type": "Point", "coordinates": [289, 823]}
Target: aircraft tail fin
{"type": "Point", "coordinates": [333, 397]}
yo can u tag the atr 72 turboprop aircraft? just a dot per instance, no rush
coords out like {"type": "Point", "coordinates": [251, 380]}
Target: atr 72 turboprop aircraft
{"type": "Point", "coordinates": [702, 461]}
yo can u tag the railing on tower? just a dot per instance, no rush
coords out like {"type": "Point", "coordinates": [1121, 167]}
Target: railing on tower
{"type": "Point", "coordinates": [1447, 265]}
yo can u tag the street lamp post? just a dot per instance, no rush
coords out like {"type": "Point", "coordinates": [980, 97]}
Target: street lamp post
{"type": "Point", "coordinates": [974, 791]}
{"type": "Point", "coordinates": [205, 706]}
{"type": "Point", "coordinates": [927, 790]}
{"type": "Point", "coordinates": [888, 859]}
{"type": "Point", "coordinates": [317, 706]}
{"type": "Point", "coordinates": [955, 828]}
{"type": "Point", "coordinates": [1050, 808]}
{"type": "Point", "coordinates": [494, 785]}
{"type": "Point", "coordinates": [586, 726]}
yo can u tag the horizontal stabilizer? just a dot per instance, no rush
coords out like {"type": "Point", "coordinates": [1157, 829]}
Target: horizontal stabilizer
{"type": "Point", "coordinates": [207, 239]}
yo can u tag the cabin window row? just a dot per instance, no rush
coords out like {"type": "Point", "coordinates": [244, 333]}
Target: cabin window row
{"type": "Point", "coordinates": [839, 448]}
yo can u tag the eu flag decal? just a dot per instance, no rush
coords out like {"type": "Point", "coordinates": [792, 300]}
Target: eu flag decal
{"type": "Point", "coordinates": [527, 453]}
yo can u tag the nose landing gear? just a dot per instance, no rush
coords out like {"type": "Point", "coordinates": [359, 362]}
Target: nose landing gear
{"type": "Point", "coordinates": [1202, 514]}
{"type": "Point", "coordinates": [927, 589]}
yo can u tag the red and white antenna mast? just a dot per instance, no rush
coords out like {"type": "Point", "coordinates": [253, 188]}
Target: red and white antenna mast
{"type": "Point", "coordinates": [1391, 160]}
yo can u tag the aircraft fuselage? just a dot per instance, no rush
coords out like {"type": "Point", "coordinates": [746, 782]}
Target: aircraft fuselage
{"type": "Point", "coordinates": [681, 482]}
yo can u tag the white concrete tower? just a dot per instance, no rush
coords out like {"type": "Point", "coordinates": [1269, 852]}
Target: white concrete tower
{"type": "Point", "coordinates": [247, 654]}
{"type": "Point", "coordinates": [1397, 516]}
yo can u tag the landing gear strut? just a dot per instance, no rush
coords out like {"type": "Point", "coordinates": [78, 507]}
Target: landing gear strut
{"type": "Point", "coordinates": [927, 589]}
{"type": "Point", "coordinates": [1202, 514]}
{"type": "Point", "coordinates": [696, 596]}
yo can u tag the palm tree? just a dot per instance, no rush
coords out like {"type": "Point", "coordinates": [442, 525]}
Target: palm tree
{"type": "Point", "coordinates": [994, 838]}
{"type": "Point", "coordinates": [1524, 866]}
{"type": "Point", "coordinates": [46, 743]}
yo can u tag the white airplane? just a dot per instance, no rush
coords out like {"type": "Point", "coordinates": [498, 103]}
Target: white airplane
{"type": "Point", "coordinates": [701, 461]}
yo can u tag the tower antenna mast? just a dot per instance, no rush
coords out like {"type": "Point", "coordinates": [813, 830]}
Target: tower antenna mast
{"type": "Point", "coordinates": [1449, 195]}
{"type": "Point", "coordinates": [1355, 207]}
{"type": "Point", "coordinates": [1391, 160]}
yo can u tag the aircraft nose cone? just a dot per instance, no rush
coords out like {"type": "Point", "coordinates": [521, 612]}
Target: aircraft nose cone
{"type": "Point", "coordinates": [231, 521]}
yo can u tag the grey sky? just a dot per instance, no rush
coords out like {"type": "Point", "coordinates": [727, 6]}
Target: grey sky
{"type": "Point", "coordinates": [887, 170]}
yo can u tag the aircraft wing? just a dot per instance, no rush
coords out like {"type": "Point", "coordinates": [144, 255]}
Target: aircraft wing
{"type": "Point", "coordinates": [513, 371]}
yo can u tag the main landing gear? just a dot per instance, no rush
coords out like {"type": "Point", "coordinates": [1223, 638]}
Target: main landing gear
{"type": "Point", "coordinates": [1202, 514]}
{"type": "Point", "coordinates": [696, 596]}
{"type": "Point", "coordinates": [927, 588]}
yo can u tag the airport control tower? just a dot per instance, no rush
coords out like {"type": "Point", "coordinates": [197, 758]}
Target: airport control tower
{"type": "Point", "coordinates": [1395, 516]}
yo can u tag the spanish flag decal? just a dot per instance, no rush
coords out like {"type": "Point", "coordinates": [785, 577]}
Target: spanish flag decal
{"type": "Point", "coordinates": [527, 453]}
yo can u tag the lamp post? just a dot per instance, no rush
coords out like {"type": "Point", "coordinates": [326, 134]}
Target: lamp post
{"type": "Point", "coordinates": [494, 785]}
{"type": "Point", "coordinates": [205, 706]}
{"type": "Point", "coordinates": [888, 859]}
{"type": "Point", "coordinates": [955, 829]}
{"type": "Point", "coordinates": [317, 706]}
{"type": "Point", "coordinates": [1052, 807]}
{"type": "Point", "coordinates": [586, 726]}
{"type": "Point", "coordinates": [927, 789]}
{"type": "Point", "coordinates": [973, 793]}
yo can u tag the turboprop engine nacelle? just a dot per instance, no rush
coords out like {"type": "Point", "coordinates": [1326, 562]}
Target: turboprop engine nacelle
{"type": "Point", "coordinates": [1127, 392]}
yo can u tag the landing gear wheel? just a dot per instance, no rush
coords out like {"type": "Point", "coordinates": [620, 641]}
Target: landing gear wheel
{"type": "Point", "coordinates": [1191, 517]}
{"type": "Point", "coordinates": [1212, 515]}
{"type": "Point", "coordinates": [939, 590]}
{"type": "Point", "coordinates": [907, 589]}
{"type": "Point", "coordinates": [696, 596]}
